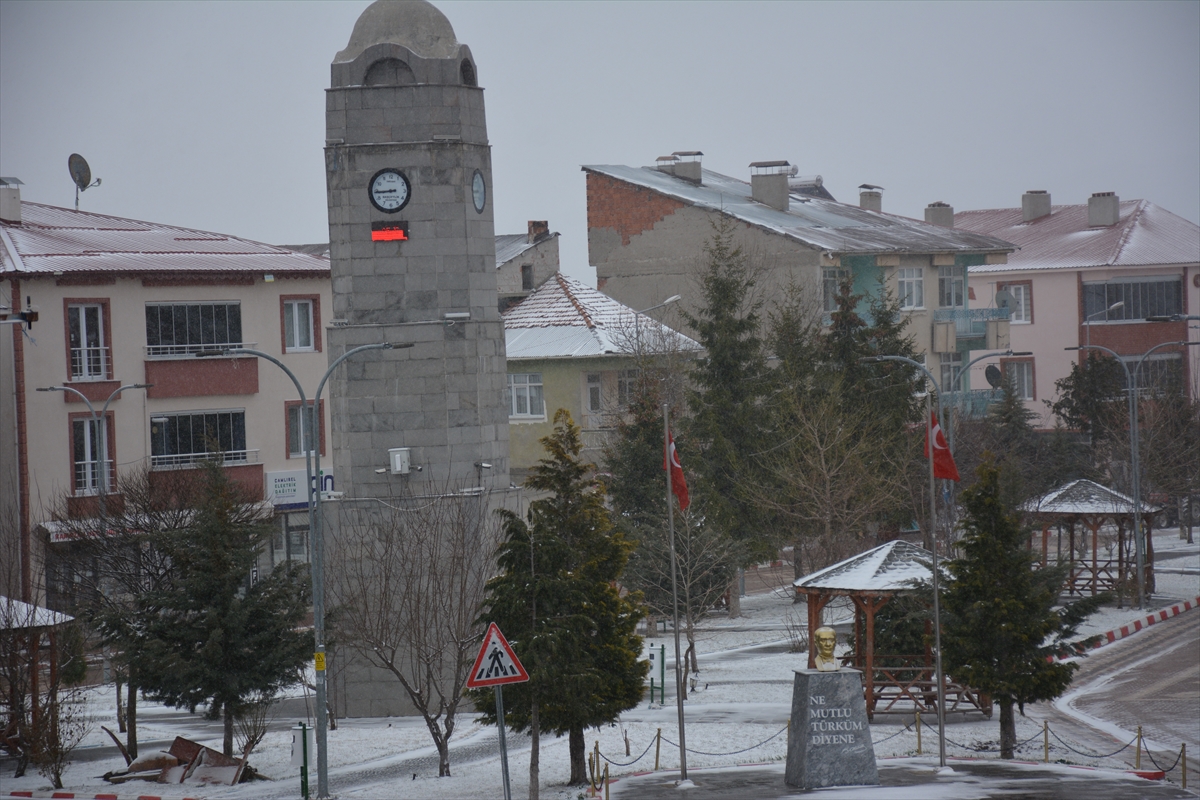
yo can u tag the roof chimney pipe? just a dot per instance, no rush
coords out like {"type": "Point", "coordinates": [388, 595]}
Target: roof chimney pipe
{"type": "Point", "coordinates": [1035, 204]}
{"type": "Point", "coordinates": [538, 229]}
{"type": "Point", "coordinates": [940, 213]}
{"type": "Point", "coordinates": [1104, 209]}
{"type": "Point", "coordinates": [870, 198]}
{"type": "Point", "coordinates": [10, 200]}
{"type": "Point", "coordinates": [769, 184]}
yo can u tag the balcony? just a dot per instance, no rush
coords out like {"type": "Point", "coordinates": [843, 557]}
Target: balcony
{"type": "Point", "coordinates": [90, 363]}
{"type": "Point", "coordinates": [972, 403]}
{"type": "Point", "coordinates": [228, 458]}
{"type": "Point", "coordinates": [970, 323]}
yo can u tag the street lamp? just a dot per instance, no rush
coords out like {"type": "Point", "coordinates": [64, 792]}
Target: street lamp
{"type": "Point", "coordinates": [637, 322]}
{"type": "Point", "coordinates": [958, 379]}
{"type": "Point", "coordinates": [1134, 454]}
{"type": "Point", "coordinates": [308, 428]}
{"type": "Point", "coordinates": [102, 432]}
{"type": "Point", "coordinates": [937, 604]}
{"type": "Point", "coordinates": [1087, 322]}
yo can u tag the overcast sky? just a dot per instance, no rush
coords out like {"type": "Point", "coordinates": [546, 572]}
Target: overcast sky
{"type": "Point", "coordinates": [211, 115]}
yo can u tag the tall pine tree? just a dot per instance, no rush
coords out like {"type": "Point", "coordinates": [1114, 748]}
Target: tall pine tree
{"type": "Point", "coordinates": [1001, 626]}
{"type": "Point", "coordinates": [556, 599]}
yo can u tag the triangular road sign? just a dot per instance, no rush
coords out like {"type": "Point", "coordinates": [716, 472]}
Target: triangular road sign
{"type": "Point", "coordinates": [497, 664]}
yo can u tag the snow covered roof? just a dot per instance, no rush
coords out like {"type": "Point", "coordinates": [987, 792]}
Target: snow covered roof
{"type": "Point", "coordinates": [1145, 235]}
{"type": "Point", "coordinates": [51, 240]}
{"type": "Point", "coordinates": [17, 615]}
{"type": "Point", "coordinates": [814, 221]}
{"type": "Point", "coordinates": [1084, 497]}
{"type": "Point", "coordinates": [565, 318]}
{"type": "Point", "coordinates": [888, 568]}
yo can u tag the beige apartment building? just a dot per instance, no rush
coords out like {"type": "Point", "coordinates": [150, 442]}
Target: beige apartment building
{"type": "Point", "coordinates": [124, 303]}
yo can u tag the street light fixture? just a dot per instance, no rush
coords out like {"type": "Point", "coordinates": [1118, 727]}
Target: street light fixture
{"type": "Point", "coordinates": [1087, 322]}
{"type": "Point", "coordinates": [98, 422]}
{"type": "Point", "coordinates": [312, 449]}
{"type": "Point", "coordinates": [637, 321]}
{"type": "Point", "coordinates": [1134, 454]}
{"type": "Point", "coordinates": [958, 379]}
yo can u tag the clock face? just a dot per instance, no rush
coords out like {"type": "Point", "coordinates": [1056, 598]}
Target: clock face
{"type": "Point", "coordinates": [479, 191]}
{"type": "Point", "coordinates": [389, 190]}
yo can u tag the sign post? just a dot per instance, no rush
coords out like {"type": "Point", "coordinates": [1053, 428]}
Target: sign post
{"type": "Point", "coordinates": [495, 666]}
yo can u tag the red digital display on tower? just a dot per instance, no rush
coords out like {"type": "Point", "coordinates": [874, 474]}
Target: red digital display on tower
{"type": "Point", "coordinates": [389, 231]}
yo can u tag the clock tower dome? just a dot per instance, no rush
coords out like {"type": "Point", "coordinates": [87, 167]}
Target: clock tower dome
{"type": "Point", "coordinates": [412, 251]}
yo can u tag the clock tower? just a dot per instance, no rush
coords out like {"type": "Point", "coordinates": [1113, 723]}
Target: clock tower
{"type": "Point", "coordinates": [413, 259]}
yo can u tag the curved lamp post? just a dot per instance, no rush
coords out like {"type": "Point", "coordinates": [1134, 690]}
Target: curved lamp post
{"type": "Point", "coordinates": [308, 429]}
{"type": "Point", "coordinates": [1087, 322]}
{"type": "Point", "coordinates": [958, 379]}
{"type": "Point", "coordinates": [1135, 464]}
{"type": "Point", "coordinates": [637, 322]}
{"type": "Point", "coordinates": [98, 421]}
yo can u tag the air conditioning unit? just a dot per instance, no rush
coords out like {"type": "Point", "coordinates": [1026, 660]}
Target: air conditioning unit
{"type": "Point", "coordinates": [399, 458]}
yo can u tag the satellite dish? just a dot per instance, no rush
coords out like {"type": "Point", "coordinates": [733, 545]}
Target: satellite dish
{"type": "Point", "coordinates": [81, 173]}
{"type": "Point", "coordinates": [1005, 299]}
{"type": "Point", "coordinates": [993, 375]}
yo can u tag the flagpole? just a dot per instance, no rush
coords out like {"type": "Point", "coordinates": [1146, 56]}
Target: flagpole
{"type": "Point", "coordinates": [931, 446]}
{"type": "Point", "coordinates": [674, 592]}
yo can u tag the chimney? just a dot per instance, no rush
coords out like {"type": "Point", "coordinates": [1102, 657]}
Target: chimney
{"type": "Point", "coordinates": [769, 184]}
{"type": "Point", "coordinates": [666, 164]}
{"type": "Point", "coordinates": [538, 229]}
{"type": "Point", "coordinates": [940, 213]}
{"type": "Point", "coordinates": [1035, 204]}
{"type": "Point", "coordinates": [10, 200]}
{"type": "Point", "coordinates": [1104, 209]}
{"type": "Point", "coordinates": [870, 199]}
{"type": "Point", "coordinates": [687, 167]}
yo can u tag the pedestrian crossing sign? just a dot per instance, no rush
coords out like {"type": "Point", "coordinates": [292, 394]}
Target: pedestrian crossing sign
{"type": "Point", "coordinates": [497, 664]}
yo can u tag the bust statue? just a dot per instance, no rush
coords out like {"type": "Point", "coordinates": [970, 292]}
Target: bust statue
{"type": "Point", "coordinates": [826, 640]}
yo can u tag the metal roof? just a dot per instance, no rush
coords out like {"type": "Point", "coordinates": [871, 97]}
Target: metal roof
{"type": "Point", "coordinates": [565, 318]}
{"type": "Point", "coordinates": [891, 567]}
{"type": "Point", "coordinates": [1084, 497]}
{"type": "Point", "coordinates": [1145, 235]}
{"type": "Point", "coordinates": [813, 221]}
{"type": "Point", "coordinates": [511, 245]}
{"type": "Point", "coordinates": [50, 240]}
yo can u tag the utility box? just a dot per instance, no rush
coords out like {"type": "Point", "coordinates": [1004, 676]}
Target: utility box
{"type": "Point", "coordinates": [997, 334]}
{"type": "Point", "coordinates": [945, 337]}
{"type": "Point", "coordinates": [399, 458]}
{"type": "Point", "coordinates": [299, 734]}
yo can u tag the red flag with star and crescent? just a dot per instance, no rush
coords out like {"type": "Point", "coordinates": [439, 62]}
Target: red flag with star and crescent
{"type": "Point", "coordinates": [943, 459]}
{"type": "Point", "coordinates": [678, 483]}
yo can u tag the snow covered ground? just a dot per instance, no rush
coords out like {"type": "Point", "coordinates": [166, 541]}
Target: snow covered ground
{"type": "Point", "coordinates": [737, 715]}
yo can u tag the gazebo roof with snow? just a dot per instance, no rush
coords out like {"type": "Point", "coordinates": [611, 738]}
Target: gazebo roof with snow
{"type": "Point", "coordinates": [18, 615]}
{"type": "Point", "coordinates": [1084, 498]}
{"type": "Point", "coordinates": [891, 567]}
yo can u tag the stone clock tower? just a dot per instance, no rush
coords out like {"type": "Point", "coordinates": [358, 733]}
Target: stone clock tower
{"type": "Point", "coordinates": [412, 250]}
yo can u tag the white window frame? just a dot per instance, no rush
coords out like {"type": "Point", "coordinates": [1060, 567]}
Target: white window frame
{"type": "Point", "coordinates": [91, 468]}
{"type": "Point", "coordinates": [1021, 373]}
{"type": "Point", "coordinates": [831, 280]}
{"type": "Point", "coordinates": [160, 438]}
{"type": "Point", "coordinates": [1143, 296]}
{"type": "Point", "coordinates": [296, 431]}
{"type": "Point", "coordinates": [910, 284]}
{"type": "Point", "coordinates": [593, 397]}
{"type": "Point", "coordinates": [526, 399]}
{"type": "Point", "coordinates": [89, 361]}
{"type": "Point", "coordinates": [626, 386]}
{"type": "Point", "coordinates": [195, 338]}
{"type": "Point", "coordinates": [951, 365]}
{"type": "Point", "coordinates": [297, 323]}
{"type": "Point", "coordinates": [952, 286]}
{"type": "Point", "coordinates": [1022, 295]}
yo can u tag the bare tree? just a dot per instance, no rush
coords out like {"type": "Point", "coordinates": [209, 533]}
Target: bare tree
{"type": "Point", "coordinates": [409, 582]}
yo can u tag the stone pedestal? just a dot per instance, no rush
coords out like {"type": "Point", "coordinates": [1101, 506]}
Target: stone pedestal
{"type": "Point", "coordinates": [829, 743]}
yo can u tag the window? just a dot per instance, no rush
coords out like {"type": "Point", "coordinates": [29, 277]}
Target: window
{"type": "Point", "coordinates": [301, 319]}
{"type": "Point", "coordinates": [525, 395]}
{"type": "Point", "coordinates": [181, 329]}
{"type": "Point", "coordinates": [290, 540]}
{"type": "Point", "coordinates": [1022, 307]}
{"type": "Point", "coordinates": [295, 448]}
{"type": "Point", "coordinates": [1158, 373]}
{"type": "Point", "coordinates": [626, 387]}
{"type": "Point", "coordinates": [950, 287]}
{"type": "Point", "coordinates": [86, 340]}
{"type": "Point", "coordinates": [595, 397]}
{"type": "Point", "coordinates": [92, 461]}
{"type": "Point", "coordinates": [1148, 297]}
{"type": "Point", "coordinates": [831, 280]}
{"type": "Point", "coordinates": [951, 369]}
{"type": "Point", "coordinates": [180, 440]}
{"type": "Point", "coordinates": [527, 277]}
{"type": "Point", "coordinates": [1021, 375]}
{"type": "Point", "coordinates": [911, 284]}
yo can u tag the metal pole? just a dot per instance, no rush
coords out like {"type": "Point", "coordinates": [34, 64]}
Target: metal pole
{"type": "Point", "coordinates": [503, 743]}
{"type": "Point", "coordinates": [674, 595]}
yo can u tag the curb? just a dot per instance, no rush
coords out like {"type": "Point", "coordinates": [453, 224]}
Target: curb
{"type": "Point", "coordinates": [61, 793]}
{"type": "Point", "coordinates": [1137, 625]}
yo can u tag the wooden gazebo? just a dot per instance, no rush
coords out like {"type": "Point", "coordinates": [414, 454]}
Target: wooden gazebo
{"type": "Point", "coordinates": [893, 682]}
{"type": "Point", "coordinates": [1083, 507]}
{"type": "Point", "coordinates": [22, 629]}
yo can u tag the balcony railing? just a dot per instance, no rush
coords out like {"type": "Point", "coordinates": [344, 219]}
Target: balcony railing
{"type": "Point", "coordinates": [972, 402]}
{"type": "Point", "coordinates": [190, 350]}
{"type": "Point", "coordinates": [89, 474]}
{"type": "Point", "coordinates": [90, 363]}
{"type": "Point", "coordinates": [970, 323]}
{"type": "Point", "coordinates": [186, 460]}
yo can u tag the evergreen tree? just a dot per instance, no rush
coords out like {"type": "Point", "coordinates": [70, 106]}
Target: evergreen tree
{"type": "Point", "coordinates": [1001, 627]}
{"type": "Point", "coordinates": [556, 600]}
{"type": "Point", "coordinates": [729, 384]}
{"type": "Point", "coordinates": [216, 638]}
{"type": "Point", "coordinates": [1092, 397]}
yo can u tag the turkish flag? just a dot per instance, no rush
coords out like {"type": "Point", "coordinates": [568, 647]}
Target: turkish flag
{"type": "Point", "coordinates": [678, 483]}
{"type": "Point", "coordinates": [943, 459]}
